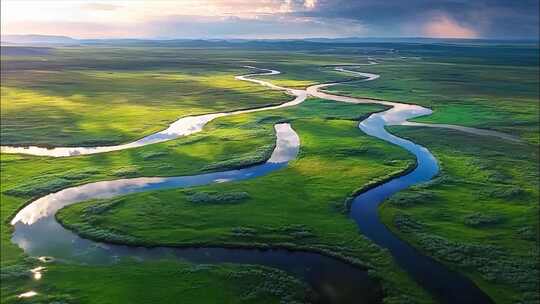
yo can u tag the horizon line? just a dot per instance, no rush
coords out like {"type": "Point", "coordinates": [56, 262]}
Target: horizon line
{"type": "Point", "coordinates": [268, 39]}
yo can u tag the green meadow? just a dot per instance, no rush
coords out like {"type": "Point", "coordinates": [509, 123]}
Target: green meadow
{"type": "Point", "coordinates": [102, 97]}
{"type": "Point", "coordinates": [477, 91]}
{"type": "Point", "coordinates": [479, 216]}
{"type": "Point", "coordinates": [135, 282]}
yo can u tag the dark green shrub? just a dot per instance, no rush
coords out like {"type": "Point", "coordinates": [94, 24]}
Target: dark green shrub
{"type": "Point", "coordinates": [408, 199]}
{"type": "Point", "coordinates": [478, 219]}
{"type": "Point", "coordinates": [217, 198]}
{"type": "Point", "coordinates": [126, 171]}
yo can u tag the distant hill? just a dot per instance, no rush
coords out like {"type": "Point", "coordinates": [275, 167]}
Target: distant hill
{"type": "Point", "coordinates": [37, 39]}
{"type": "Point", "coordinates": [50, 40]}
{"type": "Point", "coordinates": [24, 50]}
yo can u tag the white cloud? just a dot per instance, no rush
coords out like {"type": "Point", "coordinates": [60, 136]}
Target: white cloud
{"type": "Point", "coordinates": [181, 18]}
{"type": "Point", "coordinates": [100, 6]}
{"type": "Point", "coordinates": [310, 4]}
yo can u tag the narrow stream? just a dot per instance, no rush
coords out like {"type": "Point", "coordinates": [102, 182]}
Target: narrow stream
{"type": "Point", "coordinates": [38, 233]}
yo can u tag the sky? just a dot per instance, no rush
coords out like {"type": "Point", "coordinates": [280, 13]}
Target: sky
{"type": "Point", "coordinates": [265, 19]}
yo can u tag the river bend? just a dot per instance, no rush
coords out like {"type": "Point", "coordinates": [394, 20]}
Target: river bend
{"type": "Point", "coordinates": [38, 233]}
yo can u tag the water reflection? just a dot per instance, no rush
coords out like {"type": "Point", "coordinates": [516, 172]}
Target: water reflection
{"type": "Point", "coordinates": [286, 149]}
{"type": "Point", "coordinates": [28, 294]}
{"type": "Point", "coordinates": [182, 127]}
{"type": "Point", "coordinates": [37, 272]}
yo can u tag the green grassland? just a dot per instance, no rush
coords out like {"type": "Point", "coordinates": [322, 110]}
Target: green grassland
{"type": "Point", "coordinates": [498, 95]}
{"type": "Point", "coordinates": [79, 97]}
{"type": "Point", "coordinates": [135, 282]}
{"type": "Point", "coordinates": [107, 95]}
{"type": "Point", "coordinates": [480, 215]}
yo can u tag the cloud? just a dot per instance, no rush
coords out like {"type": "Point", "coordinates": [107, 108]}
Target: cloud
{"type": "Point", "coordinates": [443, 26]}
{"type": "Point", "coordinates": [486, 18]}
{"type": "Point", "coordinates": [310, 4]}
{"type": "Point", "coordinates": [294, 6]}
{"type": "Point", "coordinates": [270, 26]}
{"type": "Point", "coordinates": [100, 6]}
{"type": "Point", "coordinates": [388, 18]}
{"type": "Point", "coordinates": [265, 26]}
{"type": "Point", "coordinates": [74, 29]}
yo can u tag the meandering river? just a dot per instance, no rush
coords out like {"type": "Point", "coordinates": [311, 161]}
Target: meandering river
{"type": "Point", "coordinates": [38, 233]}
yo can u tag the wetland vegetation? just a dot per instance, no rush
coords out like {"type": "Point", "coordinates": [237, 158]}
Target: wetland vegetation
{"type": "Point", "coordinates": [479, 216]}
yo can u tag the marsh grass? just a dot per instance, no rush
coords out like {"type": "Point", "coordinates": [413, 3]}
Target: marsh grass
{"type": "Point", "coordinates": [137, 282]}
{"type": "Point", "coordinates": [486, 227]}
{"type": "Point", "coordinates": [217, 198]}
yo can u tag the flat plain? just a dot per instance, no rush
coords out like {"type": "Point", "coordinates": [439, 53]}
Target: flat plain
{"type": "Point", "coordinates": [479, 216]}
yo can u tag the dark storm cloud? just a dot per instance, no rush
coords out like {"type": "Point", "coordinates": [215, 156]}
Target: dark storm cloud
{"type": "Point", "coordinates": [273, 18]}
{"type": "Point", "coordinates": [488, 18]}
